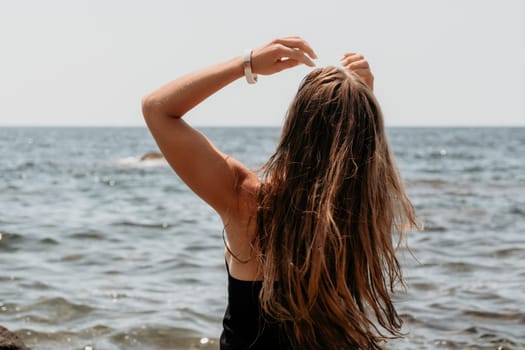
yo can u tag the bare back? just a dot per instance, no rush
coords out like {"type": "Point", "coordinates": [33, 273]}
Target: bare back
{"type": "Point", "coordinates": [240, 231]}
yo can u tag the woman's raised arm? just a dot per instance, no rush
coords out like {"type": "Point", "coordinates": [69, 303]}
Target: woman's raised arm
{"type": "Point", "coordinates": [212, 175]}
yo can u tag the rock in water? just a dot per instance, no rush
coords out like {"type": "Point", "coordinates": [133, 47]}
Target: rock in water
{"type": "Point", "coordinates": [10, 341]}
{"type": "Point", "coordinates": [152, 155]}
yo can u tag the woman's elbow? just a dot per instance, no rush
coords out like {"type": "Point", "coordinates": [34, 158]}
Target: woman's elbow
{"type": "Point", "coordinates": [150, 106]}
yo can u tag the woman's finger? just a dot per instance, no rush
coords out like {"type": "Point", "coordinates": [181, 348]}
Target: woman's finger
{"type": "Point", "coordinates": [297, 43]}
{"type": "Point", "coordinates": [296, 54]}
{"type": "Point", "coordinates": [363, 72]}
{"type": "Point", "coordinates": [346, 61]}
{"type": "Point", "coordinates": [288, 63]}
{"type": "Point", "coordinates": [362, 64]}
{"type": "Point", "coordinates": [350, 56]}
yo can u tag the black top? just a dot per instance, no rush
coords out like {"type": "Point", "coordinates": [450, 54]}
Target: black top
{"type": "Point", "coordinates": [244, 325]}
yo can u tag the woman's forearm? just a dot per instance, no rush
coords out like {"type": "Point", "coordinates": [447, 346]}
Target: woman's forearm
{"type": "Point", "coordinates": [181, 95]}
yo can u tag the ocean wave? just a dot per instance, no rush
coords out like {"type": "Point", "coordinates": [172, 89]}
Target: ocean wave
{"type": "Point", "coordinates": [158, 225]}
{"type": "Point", "coordinates": [48, 241]}
{"type": "Point", "coordinates": [62, 339]}
{"type": "Point", "coordinates": [10, 241]}
{"type": "Point", "coordinates": [57, 310]}
{"type": "Point", "coordinates": [514, 316]}
{"type": "Point", "coordinates": [162, 337]}
{"type": "Point", "coordinates": [88, 235]}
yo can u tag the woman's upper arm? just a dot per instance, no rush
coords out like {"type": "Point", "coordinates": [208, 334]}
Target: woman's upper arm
{"type": "Point", "coordinates": [212, 175]}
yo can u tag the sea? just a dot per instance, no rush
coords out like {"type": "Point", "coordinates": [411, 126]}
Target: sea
{"type": "Point", "coordinates": [102, 250]}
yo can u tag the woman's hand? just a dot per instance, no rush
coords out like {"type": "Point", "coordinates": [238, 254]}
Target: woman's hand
{"type": "Point", "coordinates": [359, 65]}
{"type": "Point", "coordinates": [282, 53]}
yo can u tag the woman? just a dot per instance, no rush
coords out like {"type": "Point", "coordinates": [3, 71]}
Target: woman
{"type": "Point", "coordinates": [309, 248]}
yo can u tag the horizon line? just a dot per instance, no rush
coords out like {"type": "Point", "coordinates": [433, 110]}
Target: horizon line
{"type": "Point", "coordinates": [263, 126]}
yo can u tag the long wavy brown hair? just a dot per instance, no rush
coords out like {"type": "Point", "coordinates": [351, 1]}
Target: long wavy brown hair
{"type": "Point", "coordinates": [330, 202]}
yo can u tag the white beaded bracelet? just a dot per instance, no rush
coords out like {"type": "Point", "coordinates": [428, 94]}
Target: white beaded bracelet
{"type": "Point", "coordinates": [250, 77]}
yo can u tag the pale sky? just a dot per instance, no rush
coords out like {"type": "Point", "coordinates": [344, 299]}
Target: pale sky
{"type": "Point", "coordinates": [89, 62]}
